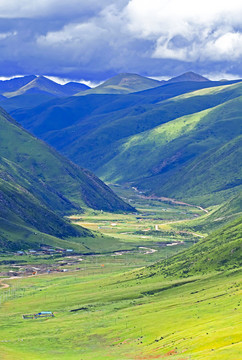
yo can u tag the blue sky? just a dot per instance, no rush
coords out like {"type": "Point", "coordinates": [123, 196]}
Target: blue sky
{"type": "Point", "coordinates": [94, 40]}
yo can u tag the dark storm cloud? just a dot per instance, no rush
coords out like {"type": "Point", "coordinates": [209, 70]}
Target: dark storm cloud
{"type": "Point", "coordinates": [94, 40]}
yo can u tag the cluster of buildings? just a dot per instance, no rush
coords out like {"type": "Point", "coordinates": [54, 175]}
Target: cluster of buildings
{"type": "Point", "coordinates": [45, 250]}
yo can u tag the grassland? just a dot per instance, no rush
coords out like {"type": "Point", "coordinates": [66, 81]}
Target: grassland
{"type": "Point", "coordinates": [112, 306]}
{"type": "Point", "coordinates": [147, 228]}
{"type": "Point", "coordinates": [107, 313]}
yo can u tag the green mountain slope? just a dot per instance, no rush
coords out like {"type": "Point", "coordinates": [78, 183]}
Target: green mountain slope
{"type": "Point", "coordinates": [190, 157]}
{"type": "Point", "coordinates": [58, 183]}
{"type": "Point", "coordinates": [37, 187]}
{"type": "Point", "coordinates": [22, 217]}
{"type": "Point", "coordinates": [219, 251]}
{"type": "Point", "coordinates": [72, 88]}
{"type": "Point", "coordinates": [39, 85]}
{"type": "Point", "coordinates": [123, 84]}
{"type": "Point", "coordinates": [217, 217]}
{"type": "Point", "coordinates": [86, 128]}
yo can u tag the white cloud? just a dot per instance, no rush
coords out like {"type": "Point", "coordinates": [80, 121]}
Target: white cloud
{"type": "Point", "coordinates": [216, 76]}
{"type": "Point", "coordinates": [72, 33]}
{"type": "Point", "coordinates": [4, 78]}
{"type": "Point", "coordinates": [49, 8]}
{"type": "Point", "coordinates": [209, 29]}
{"type": "Point", "coordinates": [227, 46]}
{"type": "Point", "coordinates": [100, 41]}
{"type": "Point", "coordinates": [63, 81]}
{"type": "Point", "coordinates": [7, 35]}
{"type": "Point", "coordinates": [90, 39]}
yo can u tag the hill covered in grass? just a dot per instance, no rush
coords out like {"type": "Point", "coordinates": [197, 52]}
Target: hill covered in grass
{"type": "Point", "coordinates": [187, 158]}
{"type": "Point", "coordinates": [43, 85]}
{"type": "Point", "coordinates": [38, 186]}
{"type": "Point", "coordinates": [24, 101]}
{"type": "Point", "coordinates": [25, 222]}
{"type": "Point", "coordinates": [220, 251]}
{"type": "Point", "coordinates": [217, 216]}
{"type": "Point", "coordinates": [54, 179]}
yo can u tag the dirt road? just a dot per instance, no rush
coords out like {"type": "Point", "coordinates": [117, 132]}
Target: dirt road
{"type": "Point", "coordinates": [162, 198]}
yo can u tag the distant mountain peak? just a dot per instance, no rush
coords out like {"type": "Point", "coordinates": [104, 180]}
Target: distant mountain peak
{"type": "Point", "coordinates": [15, 83]}
{"type": "Point", "coordinates": [124, 83]}
{"type": "Point", "coordinates": [40, 84]}
{"type": "Point", "coordinates": [188, 76]}
{"type": "Point", "coordinates": [42, 79]}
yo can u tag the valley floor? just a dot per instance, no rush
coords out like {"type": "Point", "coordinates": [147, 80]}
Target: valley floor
{"type": "Point", "coordinates": [106, 308]}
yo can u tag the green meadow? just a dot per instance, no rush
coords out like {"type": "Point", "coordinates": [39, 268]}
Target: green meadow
{"type": "Point", "coordinates": [133, 304]}
{"type": "Point", "coordinates": [111, 313]}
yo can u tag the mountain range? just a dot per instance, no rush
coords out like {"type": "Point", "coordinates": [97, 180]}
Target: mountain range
{"type": "Point", "coordinates": [161, 140]}
{"type": "Point", "coordinates": [33, 85]}
{"type": "Point", "coordinates": [165, 141]}
{"type": "Point", "coordinates": [120, 84]}
{"type": "Point", "coordinates": [179, 139]}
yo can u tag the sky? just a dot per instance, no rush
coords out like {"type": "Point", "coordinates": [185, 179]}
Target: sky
{"type": "Point", "coordinates": [93, 40]}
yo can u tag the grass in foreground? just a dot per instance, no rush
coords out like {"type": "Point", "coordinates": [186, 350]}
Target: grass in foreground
{"type": "Point", "coordinates": [113, 307]}
{"type": "Point", "coordinates": [119, 316]}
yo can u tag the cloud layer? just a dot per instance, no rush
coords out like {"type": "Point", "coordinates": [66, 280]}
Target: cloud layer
{"type": "Point", "coordinates": [94, 40]}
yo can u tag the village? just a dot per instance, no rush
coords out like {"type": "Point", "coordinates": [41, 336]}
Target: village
{"type": "Point", "coordinates": [45, 260]}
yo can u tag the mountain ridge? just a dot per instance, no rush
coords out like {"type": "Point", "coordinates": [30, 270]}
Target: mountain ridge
{"type": "Point", "coordinates": [115, 136]}
{"type": "Point", "coordinates": [43, 85]}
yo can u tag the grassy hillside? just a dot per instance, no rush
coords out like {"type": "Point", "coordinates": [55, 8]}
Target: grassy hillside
{"type": "Point", "coordinates": [25, 222]}
{"type": "Point", "coordinates": [72, 88]}
{"type": "Point", "coordinates": [53, 179]}
{"type": "Point", "coordinates": [203, 148]}
{"type": "Point", "coordinates": [38, 186]}
{"type": "Point", "coordinates": [219, 251]}
{"type": "Point", "coordinates": [86, 129]}
{"type": "Point", "coordinates": [19, 206]}
{"type": "Point", "coordinates": [39, 85]}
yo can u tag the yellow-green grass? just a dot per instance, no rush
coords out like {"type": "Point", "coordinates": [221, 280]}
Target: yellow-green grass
{"type": "Point", "coordinates": [122, 317]}
{"type": "Point", "coordinates": [126, 311]}
{"type": "Point", "coordinates": [142, 228]}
